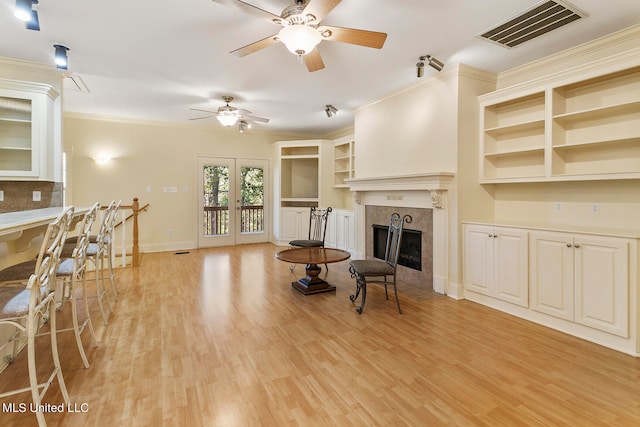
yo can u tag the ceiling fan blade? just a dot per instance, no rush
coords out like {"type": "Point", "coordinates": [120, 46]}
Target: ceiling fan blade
{"type": "Point", "coordinates": [320, 8]}
{"type": "Point", "coordinates": [353, 36]}
{"type": "Point", "coordinates": [204, 111]}
{"type": "Point", "coordinates": [249, 9]}
{"type": "Point", "coordinates": [255, 46]}
{"type": "Point", "coordinates": [313, 60]}
{"type": "Point", "coordinates": [255, 119]}
{"type": "Point", "coordinates": [200, 118]}
{"type": "Point", "coordinates": [242, 111]}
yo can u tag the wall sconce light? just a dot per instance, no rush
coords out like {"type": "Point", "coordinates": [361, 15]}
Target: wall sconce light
{"type": "Point", "coordinates": [331, 110]}
{"type": "Point", "coordinates": [432, 62]}
{"type": "Point", "coordinates": [24, 12]}
{"type": "Point", "coordinates": [102, 160]}
{"type": "Point", "coordinates": [61, 56]}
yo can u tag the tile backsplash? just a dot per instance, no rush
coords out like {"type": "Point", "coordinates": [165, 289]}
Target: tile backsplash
{"type": "Point", "coordinates": [18, 195]}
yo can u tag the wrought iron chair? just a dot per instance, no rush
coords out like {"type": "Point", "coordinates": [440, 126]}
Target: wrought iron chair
{"type": "Point", "coordinates": [317, 230]}
{"type": "Point", "coordinates": [28, 307]}
{"type": "Point", "coordinates": [379, 269]}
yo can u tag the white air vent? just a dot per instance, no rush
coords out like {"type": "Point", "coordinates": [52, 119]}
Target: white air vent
{"type": "Point", "coordinates": [536, 21]}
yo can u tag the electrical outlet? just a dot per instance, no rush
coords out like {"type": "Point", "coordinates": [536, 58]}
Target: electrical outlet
{"type": "Point", "coordinates": [170, 232]}
{"type": "Point", "coordinates": [595, 208]}
{"type": "Point", "coordinates": [37, 196]}
{"type": "Point", "coordinates": [1, 195]}
{"type": "Point", "coordinates": [557, 207]}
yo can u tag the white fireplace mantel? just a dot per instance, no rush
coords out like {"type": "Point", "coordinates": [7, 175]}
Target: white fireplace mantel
{"type": "Point", "coordinates": [428, 190]}
{"type": "Point", "coordinates": [427, 181]}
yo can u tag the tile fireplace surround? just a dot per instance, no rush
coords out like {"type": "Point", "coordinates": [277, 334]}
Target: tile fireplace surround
{"type": "Point", "coordinates": [429, 191]}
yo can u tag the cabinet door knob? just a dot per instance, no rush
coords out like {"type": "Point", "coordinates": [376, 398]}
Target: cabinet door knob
{"type": "Point", "coordinates": [569, 245]}
{"type": "Point", "coordinates": [576, 245]}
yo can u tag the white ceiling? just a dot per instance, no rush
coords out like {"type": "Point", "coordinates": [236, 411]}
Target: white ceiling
{"type": "Point", "coordinates": [156, 59]}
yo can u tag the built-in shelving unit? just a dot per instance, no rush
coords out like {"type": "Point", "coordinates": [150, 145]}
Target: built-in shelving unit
{"type": "Point", "coordinates": [583, 130]}
{"type": "Point", "coordinates": [16, 142]}
{"type": "Point", "coordinates": [299, 178]}
{"type": "Point", "coordinates": [343, 162]}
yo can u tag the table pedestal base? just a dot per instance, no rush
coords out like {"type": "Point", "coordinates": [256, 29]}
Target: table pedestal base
{"type": "Point", "coordinates": [312, 284]}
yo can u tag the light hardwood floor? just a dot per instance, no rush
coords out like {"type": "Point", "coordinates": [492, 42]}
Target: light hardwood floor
{"type": "Point", "coordinates": [218, 337]}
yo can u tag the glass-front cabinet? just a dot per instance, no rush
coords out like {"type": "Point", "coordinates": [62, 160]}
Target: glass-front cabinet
{"type": "Point", "coordinates": [27, 130]}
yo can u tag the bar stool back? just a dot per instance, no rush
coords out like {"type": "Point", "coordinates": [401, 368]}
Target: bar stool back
{"type": "Point", "coordinates": [27, 308]}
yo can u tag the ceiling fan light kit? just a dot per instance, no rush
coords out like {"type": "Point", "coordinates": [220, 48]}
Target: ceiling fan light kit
{"type": "Point", "coordinates": [299, 39]}
{"type": "Point", "coordinates": [228, 116]}
{"type": "Point", "coordinates": [301, 31]}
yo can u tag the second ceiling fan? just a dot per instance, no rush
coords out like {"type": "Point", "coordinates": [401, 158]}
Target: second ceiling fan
{"type": "Point", "coordinates": [301, 31]}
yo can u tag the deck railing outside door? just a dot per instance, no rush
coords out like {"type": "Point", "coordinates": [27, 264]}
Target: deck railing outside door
{"type": "Point", "coordinates": [216, 219]}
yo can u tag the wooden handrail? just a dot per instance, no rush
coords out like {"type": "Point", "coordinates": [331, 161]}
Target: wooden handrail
{"type": "Point", "coordinates": [135, 210]}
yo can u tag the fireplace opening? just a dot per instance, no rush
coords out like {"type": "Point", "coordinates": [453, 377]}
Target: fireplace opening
{"type": "Point", "coordinates": [410, 247]}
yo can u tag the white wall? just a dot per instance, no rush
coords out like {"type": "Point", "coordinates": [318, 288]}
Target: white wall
{"type": "Point", "coordinates": [413, 131]}
{"type": "Point", "coordinates": [151, 155]}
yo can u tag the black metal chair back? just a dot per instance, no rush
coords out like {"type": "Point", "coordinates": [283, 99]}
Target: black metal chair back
{"type": "Point", "coordinates": [318, 223]}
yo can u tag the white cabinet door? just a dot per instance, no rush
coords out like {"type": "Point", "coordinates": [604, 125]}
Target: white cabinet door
{"type": "Point", "coordinates": [331, 233]}
{"type": "Point", "coordinates": [478, 247]}
{"type": "Point", "coordinates": [346, 230]}
{"type": "Point", "coordinates": [294, 224]}
{"type": "Point", "coordinates": [510, 265]}
{"type": "Point", "coordinates": [350, 222]}
{"type": "Point", "coordinates": [551, 279]}
{"type": "Point", "coordinates": [496, 262]}
{"type": "Point", "coordinates": [581, 278]}
{"type": "Point", "coordinates": [602, 284]}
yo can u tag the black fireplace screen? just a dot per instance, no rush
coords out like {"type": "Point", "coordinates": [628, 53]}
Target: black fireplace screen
{"type": "Point", "coordinates": [410, 247]}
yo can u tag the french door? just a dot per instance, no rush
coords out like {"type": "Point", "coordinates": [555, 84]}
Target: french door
{"type": "Point", "coordinates": [232, 201]}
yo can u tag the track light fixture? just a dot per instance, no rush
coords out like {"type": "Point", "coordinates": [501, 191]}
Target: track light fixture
{"type": "Point", "coordinates": [432, 62]}
{"type": "Point", "coordinates": [24, 12]}
{"type": "Point", "coordinates": [331, 110]}
{"type": "Point", "coordinates": [243, 125]}
{"type": "Point", "coordinates": [61, 56]}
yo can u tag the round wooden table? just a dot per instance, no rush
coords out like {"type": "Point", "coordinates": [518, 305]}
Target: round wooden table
{"type": "Point", "coordinates": [312, 284]}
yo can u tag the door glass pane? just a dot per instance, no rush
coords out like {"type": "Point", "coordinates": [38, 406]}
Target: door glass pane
{"type": "Point", "coordinates": [216, 200]}
{"type": "Point", "coordinates": [251, 199]}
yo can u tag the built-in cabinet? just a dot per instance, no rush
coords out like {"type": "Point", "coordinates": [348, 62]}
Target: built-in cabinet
{"type": "Point", "coordinates": [341, 230]}
{"type": "Point", "coordinates": [581, 278]}
{"type": "Point", "coordinates": [496, 262]}
{"type": "Point", "coordinates": [303, 179]}
{"type": "Point", "coordinates": [582, 283]}
{"type": "Point", "coordinates": [27, 130]}
{"type": "Point", "coordinates": [583, 130]}
{"type": "Point", "coordinates": [294, 223]}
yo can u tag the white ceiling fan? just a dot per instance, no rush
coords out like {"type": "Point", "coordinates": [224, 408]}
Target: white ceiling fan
{"type": "Point", "coordinates": [229, 116]}
{"type": "Point", "coordinates": [301, 31]}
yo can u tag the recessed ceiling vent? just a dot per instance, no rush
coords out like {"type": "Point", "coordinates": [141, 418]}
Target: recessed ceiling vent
{"type": "Point", "coordinates": [540, 19]}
